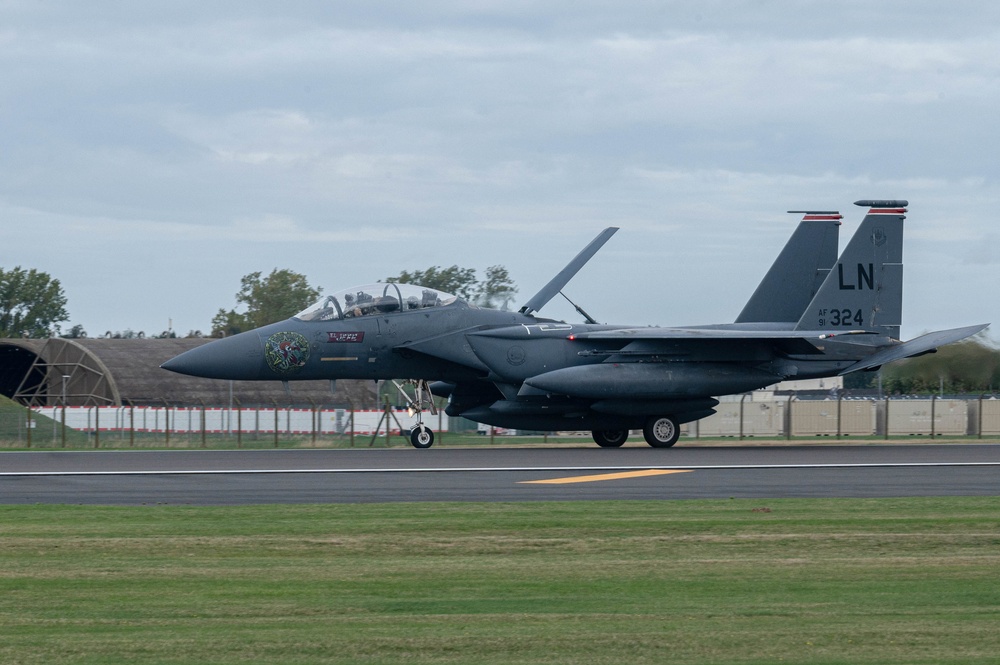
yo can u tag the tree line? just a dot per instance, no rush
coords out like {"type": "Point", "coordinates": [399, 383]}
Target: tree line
{"type": "Point", "coordinates": [33, 305]}
{"type": "Point", "coordinates": [970, 366]}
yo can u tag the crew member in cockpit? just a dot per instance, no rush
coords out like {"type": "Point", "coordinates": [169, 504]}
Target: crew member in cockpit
{"type": "Point", "coordinates": [352, 308]}
{"type": "Point", "coordinates": [365, 303]}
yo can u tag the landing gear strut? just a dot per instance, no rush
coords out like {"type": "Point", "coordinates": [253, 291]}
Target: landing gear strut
{"type": "Point", "coordinates": [421, 436]}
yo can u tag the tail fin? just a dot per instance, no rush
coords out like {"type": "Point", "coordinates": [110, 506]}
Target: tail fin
{"type": "Point", "coordinates": [797, 273]}
{"type": "Point", "coordinates": [865, 288]}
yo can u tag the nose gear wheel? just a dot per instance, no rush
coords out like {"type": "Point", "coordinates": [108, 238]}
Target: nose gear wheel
{"type": "Point", "coordinates": [421, 436]}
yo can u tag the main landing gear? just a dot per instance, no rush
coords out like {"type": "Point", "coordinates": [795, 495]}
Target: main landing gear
{"type": "Point", "coordinates": [421, 436]}
{"type": "Point", "coordinates": [610, 438]}
{"type": "Point", "coordinates": [659, 432]}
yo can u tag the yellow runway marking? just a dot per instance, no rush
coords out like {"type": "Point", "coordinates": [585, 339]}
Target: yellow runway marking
{"type": "Point", "coordinates": [604, 476]}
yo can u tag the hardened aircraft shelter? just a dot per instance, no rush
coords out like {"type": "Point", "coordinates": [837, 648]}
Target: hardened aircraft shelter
{"type": "Point", "coordinates": [122, 372]}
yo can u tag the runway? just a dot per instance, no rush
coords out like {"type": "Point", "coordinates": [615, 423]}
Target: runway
{"type": "Point", "coordinates": [195, 477]}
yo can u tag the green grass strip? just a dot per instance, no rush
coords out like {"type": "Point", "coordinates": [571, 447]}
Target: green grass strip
{"type": "Point", "coordinates": [795, 581]}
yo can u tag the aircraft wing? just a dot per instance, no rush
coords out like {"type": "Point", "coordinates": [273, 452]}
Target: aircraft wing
{"type": "Point", "coordinates": [644, 341]}
{"type": "Point", "coordinates": [707, 333]}
{"type": "Point", "coordinates": [915, 347]}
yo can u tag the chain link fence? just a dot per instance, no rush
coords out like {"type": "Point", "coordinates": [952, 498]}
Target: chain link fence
{"type": "Point", "coordinates": [744, 418]}
{"type": "Point", "coordinates": [207, 427]}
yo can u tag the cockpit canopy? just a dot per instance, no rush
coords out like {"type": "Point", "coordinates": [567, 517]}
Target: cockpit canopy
{"type": "Point", "coordinates": [371, 299]}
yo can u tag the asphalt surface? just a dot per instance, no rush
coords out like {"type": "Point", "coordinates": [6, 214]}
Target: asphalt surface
{"type": "Point", "coordinates": [496, 474]}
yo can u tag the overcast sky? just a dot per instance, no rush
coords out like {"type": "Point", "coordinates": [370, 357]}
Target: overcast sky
{"type": "Point", "coordinates": [153, 153]}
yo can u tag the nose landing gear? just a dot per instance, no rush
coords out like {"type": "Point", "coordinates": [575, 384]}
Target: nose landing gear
{"type": "Point", "coordinates": [421, 436]}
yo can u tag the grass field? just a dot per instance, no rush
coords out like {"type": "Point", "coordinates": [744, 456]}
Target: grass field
{"type": "Point", "coordinates": [793, 581]}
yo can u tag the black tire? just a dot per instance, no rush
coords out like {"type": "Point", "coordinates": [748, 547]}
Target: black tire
{"type": "Point", "coordinates": [421, 437]}
{"type": "Point", "coordinates": [610, 438]}
{"type": "Point", "coordinates": [661, 431]}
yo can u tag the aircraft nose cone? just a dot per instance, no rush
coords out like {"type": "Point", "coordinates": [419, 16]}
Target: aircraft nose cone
{"type": "Point", "coordinates": [237, 358]}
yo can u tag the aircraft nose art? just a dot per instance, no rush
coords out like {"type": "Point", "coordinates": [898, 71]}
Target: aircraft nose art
{"type": "Point", "coordinates": [237, 358]}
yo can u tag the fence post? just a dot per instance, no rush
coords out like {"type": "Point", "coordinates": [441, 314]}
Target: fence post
{"type": "Point", "coordinates": [788, 418]}
{"type": "Point", "coordinates": [352, 424]}
{"type": "Point", "coordinates": [239, 422]}
{"type": "Point", "coordinates": [64, 426]}
{"type": "Point", "coordinates": [275, 422]}
{"type": "Point", "coordinates": [203, 423]}
{"type": "Point", "coordinates": [933, 413]}
{"type": "Point", "coordinates": [742, 399]}
{"type": "Point", "coordinates": [166, 421]}
{"type": "Point", "coordinates": [97, 426]}
{"type": "Point", "coordinates": [886, 433]}
{"type": "Point", "coordinates": [979, 424]}
{"type": "Point", "coordinates": [312, 421]}
{"type": "Point", "coordinates": [840, 401]}
{"type": "Point", "coordinates": [131, 424]}
{"type": "Point", "coordinates": [27, 424]}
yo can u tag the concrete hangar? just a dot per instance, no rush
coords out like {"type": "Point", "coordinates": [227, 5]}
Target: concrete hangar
{"type": "Point", "coordinates": [123, 372]}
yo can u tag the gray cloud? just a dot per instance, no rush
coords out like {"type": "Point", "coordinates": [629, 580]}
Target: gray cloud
{"type": "Point", "coordinates": [174, 147]}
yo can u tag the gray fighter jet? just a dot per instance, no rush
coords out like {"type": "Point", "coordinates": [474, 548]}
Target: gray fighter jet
{"type": "Point", "coordinates": [812, 316]}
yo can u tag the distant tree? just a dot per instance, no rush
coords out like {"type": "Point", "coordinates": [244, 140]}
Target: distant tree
{"type": "Point", "coordinates": [454, 280]}
{"type": "Point", "coordinates": [76, 332]}
{"type": "Point", "coordinates": [228, 323]}
{"type": "Point", "coordinates": [128, 333]}
{"type": "Point", "coordinates": [495, 292]}
{"type": "Point", "coordinates": [32, 304]}
{"type": "Point", "coordinates": [278, 296]}
{"type": "Point", "coordinates": [969, 366]}
{"type": "Point", "coordinates": [860, 380]}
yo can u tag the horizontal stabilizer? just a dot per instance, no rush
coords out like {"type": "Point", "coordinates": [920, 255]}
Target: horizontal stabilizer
{"type": "Point", "coordinates": [915, 347]}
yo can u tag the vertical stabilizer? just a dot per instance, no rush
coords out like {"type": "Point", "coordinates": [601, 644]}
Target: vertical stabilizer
{"type": "Point", "coordinates": [798, 272]}
{"type": "Point", "coordinates": [864, 291]}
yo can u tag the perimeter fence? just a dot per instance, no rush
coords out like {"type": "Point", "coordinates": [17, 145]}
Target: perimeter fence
{"type": "Point", "coordinates": [184, 427]}
{"type": "Point", "coordinates": [743, 418]}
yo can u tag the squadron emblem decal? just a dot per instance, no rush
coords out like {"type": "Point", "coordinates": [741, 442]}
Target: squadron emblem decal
{"type": "Point", "coordinates": [286, 352]}
{"type": "Point", "coordinates": [879, 237]}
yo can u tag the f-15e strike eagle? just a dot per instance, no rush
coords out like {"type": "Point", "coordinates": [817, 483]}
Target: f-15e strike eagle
{"type": "Point", "coordinates": [812, 316]}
